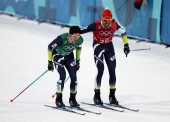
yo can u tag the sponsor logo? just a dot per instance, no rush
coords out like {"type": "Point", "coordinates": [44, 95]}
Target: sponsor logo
{"type": "Point", "coordinates": [113, 58]}
{"type": "Point", "coordinates": [73, 63]}
{"type": "Point", "coordinates": [54, 45]}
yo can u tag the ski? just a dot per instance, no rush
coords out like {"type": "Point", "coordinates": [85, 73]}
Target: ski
{"type": "Point", "coordinates": [85, 110]}
{"type": "Point", "coordinates": [65, 109]}
{"type": "Point", "coordinates": [123, 107]}
{"type": "Point", "coordinates": [102, 106]}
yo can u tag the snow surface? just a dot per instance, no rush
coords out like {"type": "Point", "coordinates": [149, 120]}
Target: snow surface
{"type": "Point", "coordinates": [142, 78]}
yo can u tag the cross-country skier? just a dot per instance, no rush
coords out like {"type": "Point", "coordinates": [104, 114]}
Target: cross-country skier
{"type": "Point", "coordinates": [103, 31]}
{"type": "Point", "coordinates": [60, 53]}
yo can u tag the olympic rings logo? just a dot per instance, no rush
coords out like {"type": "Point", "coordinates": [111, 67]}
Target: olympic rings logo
{"type": "Point", "coordinates": [106, 33]}
{"type": "Point", "coordinates": [69, 48]}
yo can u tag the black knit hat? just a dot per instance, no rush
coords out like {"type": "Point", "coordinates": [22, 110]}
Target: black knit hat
{"type": "Point", "coordinates": [74, 29]}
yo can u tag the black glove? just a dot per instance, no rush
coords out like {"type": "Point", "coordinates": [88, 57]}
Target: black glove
{"type": "Point", "coordinates": [50, 66]}
{"type": "Point", "coordinates": [77, 65]}
{"type": "Point", "coordinates": [126, 49]}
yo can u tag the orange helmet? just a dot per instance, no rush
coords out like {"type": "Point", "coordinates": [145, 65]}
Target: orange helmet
{"type": "Point", "coordinates": [107, 14]}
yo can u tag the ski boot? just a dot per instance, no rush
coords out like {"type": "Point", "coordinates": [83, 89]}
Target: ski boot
{"type": "Point", "coordinates": [112, 97]}
{"type": "Point", "coordinates": [72, 100]}
{"type": "Point", "coordinates": [59, 102]}
{"type": "Point", "coordinates": [97, 99]}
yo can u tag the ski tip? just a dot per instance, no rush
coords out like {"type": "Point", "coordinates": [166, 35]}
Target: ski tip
{"type": "Point", "coordinates": [137, 110]}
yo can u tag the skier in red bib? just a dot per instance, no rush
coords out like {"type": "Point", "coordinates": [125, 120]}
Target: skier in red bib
{"type": "Point", "coordinates": [103, 32]}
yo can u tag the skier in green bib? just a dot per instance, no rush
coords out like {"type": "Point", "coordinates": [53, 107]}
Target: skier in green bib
{"type": "Point", "coordinates": [60, 53]}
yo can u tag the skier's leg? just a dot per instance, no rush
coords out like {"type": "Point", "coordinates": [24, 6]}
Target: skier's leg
{"type": "Point", "coordinates": [98, 58]}
{"type": "Point", "coordinates": [59, 65]}
{"type": "Point", "coordinates": [71, 67]}
{"type": "Point", "coordinates": [111, 63]}
{"type": "Point", "coordinates": [58, 61]}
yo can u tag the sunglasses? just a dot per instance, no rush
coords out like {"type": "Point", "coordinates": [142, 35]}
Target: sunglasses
{"type": "Point", "coordinates": [106, 19]}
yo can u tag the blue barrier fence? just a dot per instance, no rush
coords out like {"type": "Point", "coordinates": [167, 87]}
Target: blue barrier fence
{"type": "Point", "coordinates": [151, 22]}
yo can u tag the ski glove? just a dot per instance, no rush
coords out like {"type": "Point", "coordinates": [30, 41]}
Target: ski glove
{"type": "Point", "coordinates": [126, 49]}
{"type": "Point", "coordinates": [50, 66]}
{"type": "Point", "coordinates": [77, 65]}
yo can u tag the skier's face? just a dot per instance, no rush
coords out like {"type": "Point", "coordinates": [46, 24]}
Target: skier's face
{"type": "Point", "coordinates": [106, 22]}
{"type": "Point", "coordinates": [74, 37]}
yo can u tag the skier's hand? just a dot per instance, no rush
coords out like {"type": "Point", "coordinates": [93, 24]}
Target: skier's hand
{"type": "Point", "coordinates": [126, 49]}
{"type": "Point", "coordinates": [77, 65]}
{"type": "Point", "coordinates": [50, 66]}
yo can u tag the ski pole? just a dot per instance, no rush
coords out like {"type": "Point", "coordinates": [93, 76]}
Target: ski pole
{"type": "Point", "coordinates": [64, 82]}
{"type": "Point", "coordinates": [28, 86]}
{"type": "Point", "coordinates": [141, 49]}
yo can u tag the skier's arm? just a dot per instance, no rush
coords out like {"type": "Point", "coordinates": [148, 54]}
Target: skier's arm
{"type": "Point", "coordinates": [56, 42]}
{"type": "Point", "coordinates": [90, 28]}
{"type": "Point", "coordinates": [124, 38]}
{"type": "Point", "coordinates": [123, 33]}
{"type": "Point", "coordinates": [78, 53]}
